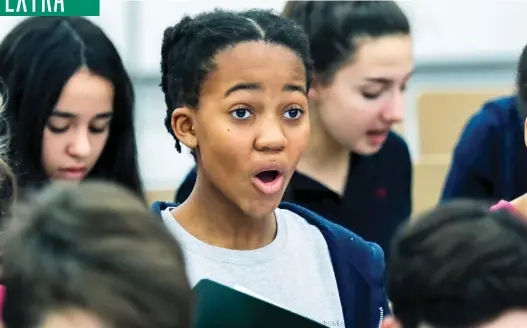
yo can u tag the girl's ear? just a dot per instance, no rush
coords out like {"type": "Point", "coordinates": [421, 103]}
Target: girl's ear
{"type": "Point", "coordinates": [316, 87]}
{"type": "Point", "coordinates": [525, 132]}
{"type": "Point", "coordinates": [183, 121]}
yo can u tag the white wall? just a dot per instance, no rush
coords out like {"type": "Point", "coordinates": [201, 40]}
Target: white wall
{"type": "Point", "coordinates": [161, 165]}
{"type": "Point", "coordinates": [467, 28]}
{"type": "Point", "coordinates": [156, 16]}
{"type": "Point", "coordinates": [442, 29]}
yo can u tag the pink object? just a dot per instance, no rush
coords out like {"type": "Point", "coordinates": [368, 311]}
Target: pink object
{"type": "Point", "coordinates": [2, 296]}
{"type": "Point", "coordinates": [504, 205]}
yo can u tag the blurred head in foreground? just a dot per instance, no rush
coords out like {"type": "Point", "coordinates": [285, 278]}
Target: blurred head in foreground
{"type": "Point", "coordinates": [459, 265]}
{"type": "Point", "coordinates": [91, 255]}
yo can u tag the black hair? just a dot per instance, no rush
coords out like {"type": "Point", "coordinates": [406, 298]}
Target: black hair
{"type": "Point", "coordinates": [189, 48]}
{"type": "Point", "coordinates": [459, 265]}
{"type": "Point", "coordinates": [8, 186]}
{"type": "Point", "coordinates": [521, 84]}
{"type": "Point", "coordinates": [37, 58]}
{"type": "Point", "coordinates": [95, 248]}
{"type": "Point", "coordinates": [334, 27]}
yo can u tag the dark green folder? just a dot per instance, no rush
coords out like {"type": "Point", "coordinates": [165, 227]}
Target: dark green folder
{"type": "Point", "coordinates": [220, 306]}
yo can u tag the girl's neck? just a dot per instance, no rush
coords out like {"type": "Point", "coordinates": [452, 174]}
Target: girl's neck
{"type": "Point", "coordinates": [323, 151]}
{"type": "Point", "coordinates": [212, 218]}
{"type": "Point", "coordinates": [325, 160]}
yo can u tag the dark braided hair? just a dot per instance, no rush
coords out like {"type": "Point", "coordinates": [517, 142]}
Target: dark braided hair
{"type": "Point", "coordinates": [333, 28]}
{"type": "Point", "coordinates": [189, 49]}
{"type": "Point", "coordinates": [459, 265]}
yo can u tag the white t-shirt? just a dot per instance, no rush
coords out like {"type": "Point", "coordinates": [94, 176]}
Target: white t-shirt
{"type": "Point", "coordinates": [294, 271]}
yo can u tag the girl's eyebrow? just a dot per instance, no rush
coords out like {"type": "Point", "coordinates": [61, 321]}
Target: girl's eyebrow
{"type": "Point", "coordinates": [258, 87]}
{"type": "Point", "coordinates": [64, 114]}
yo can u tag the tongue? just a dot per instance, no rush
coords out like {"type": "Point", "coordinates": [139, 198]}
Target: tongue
{"type": "Point", "coordinates": [267, 176]}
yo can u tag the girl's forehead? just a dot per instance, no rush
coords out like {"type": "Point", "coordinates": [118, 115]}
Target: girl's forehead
{"type": "Point", "coordinates": [255, 62]}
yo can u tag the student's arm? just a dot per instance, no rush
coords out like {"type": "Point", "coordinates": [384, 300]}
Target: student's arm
{"type": "Point", "coordinates": [186, 187]}
{"type": "Point", "coordinates": [470, 174]}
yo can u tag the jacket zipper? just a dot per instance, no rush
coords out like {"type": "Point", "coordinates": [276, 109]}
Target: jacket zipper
{"type": "Point", "coordinates": [381, 316]}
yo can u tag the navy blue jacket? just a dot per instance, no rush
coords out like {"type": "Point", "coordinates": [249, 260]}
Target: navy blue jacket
{"type": "Point", "coordinates": [490, 158]}
{"type": "Point", "coordinates": [358, 266]}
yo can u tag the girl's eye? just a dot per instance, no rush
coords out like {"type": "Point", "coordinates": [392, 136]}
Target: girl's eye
{"type": "Point", "coordinates": [56, 129]}
{"type": "Point", "coordinates": [293, 113]}
{"type": "Point", "coordinates": [371, 96]}
{"type": "Point", "coordinates": [100, 125]}
{"type": "Point", "coordinates": [98, 130]}
{"type": "Point", "coordinates": [241, 114]}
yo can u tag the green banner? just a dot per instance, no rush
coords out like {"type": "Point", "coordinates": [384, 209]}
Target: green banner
{"type": "Point", "coordinates": [50, 7]}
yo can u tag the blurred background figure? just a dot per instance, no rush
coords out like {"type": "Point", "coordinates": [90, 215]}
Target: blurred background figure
{"type": "Point", "coordinates": [356, 171]}
{"type": "Point", "coordinates": [70, 104]}
{"type": "Point", "coordinates": [490, 158]}
{"type": "Point", "coordinates": [459, 265]}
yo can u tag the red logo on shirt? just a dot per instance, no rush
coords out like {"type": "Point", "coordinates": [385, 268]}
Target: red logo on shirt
{"type": "Point", "coordinates": [380, 192]}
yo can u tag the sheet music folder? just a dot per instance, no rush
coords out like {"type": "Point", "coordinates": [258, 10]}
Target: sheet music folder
{"type": "Point", "coordinates": [221, 306]}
